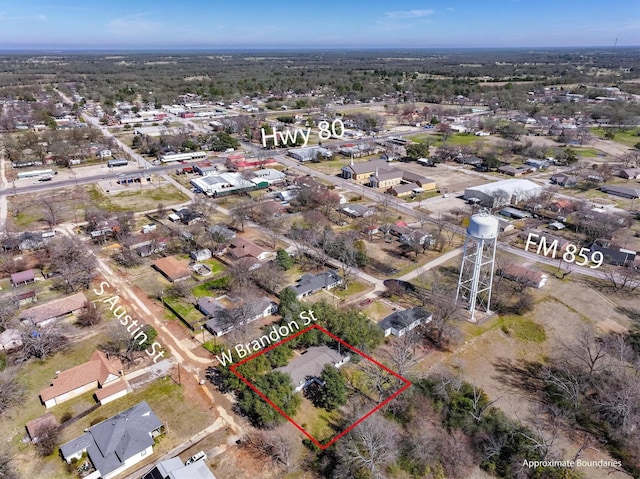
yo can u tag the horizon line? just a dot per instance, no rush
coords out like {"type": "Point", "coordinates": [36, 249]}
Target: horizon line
{"type": "Point", "coordinates": [114, 49]}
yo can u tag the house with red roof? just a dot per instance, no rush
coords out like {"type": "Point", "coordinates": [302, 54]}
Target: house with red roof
{"type": "Point", "coordinates": [100, 372]}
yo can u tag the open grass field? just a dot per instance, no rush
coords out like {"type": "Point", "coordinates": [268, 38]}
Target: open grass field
{"type": "Point", "coordinates": [587, 152]}
{"type": "Point", "coordinates": [28, 211]}
{"type": "Point", "coordinates": [457, 139]}
{"type": "Point", "coordinates": [563, 310]}
{"type": "Point", "coordinates": [628, 137]}
{"type": "Point", "coordinates": [136, 199]}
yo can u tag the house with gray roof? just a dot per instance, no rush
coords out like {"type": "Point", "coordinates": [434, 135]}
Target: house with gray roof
{"type": "Point", "coordinates": [312, 283]}
{"type": "Point", "coordinates": [630, 173]}
{"type": "Point", "coordinates": [220, 316]}
{"type": "Point", "coordinates": [307, 367]}
{"type": "Point", "coordinates": [174, 468]}
{"type": "Point", "coordinates": [613, 254]}
{"type": "Point", "coordinates": [624, 191]}
{"type": "Point", "coordinates": [118, 443]}
{"type": "Point", "coordinates": [356, 211]}
{"type": "Point", "coordinates": [564, 180]}
{"type": "Point", "coordinates": [401, 322]}
{"type": "Point", "coordinates": [223, 231]}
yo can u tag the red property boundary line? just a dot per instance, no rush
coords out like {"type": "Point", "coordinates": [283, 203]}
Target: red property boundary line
{"type": "Point", "coordinates": [406, 382]}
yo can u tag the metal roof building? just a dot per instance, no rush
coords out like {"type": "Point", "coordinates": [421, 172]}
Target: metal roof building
{"type": "Point", "coordinates": [503, 192]}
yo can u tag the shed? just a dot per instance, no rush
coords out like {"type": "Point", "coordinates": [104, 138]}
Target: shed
{"type": "Point", "coordinates": [38, 424]}
{"type": "Point", "coordinates": [23, 277]}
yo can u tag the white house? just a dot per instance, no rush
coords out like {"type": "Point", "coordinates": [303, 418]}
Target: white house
{"type": "Point", "coordinates": [401, 322]}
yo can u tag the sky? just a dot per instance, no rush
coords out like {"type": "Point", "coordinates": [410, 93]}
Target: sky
{"type": "Point", "coordinates": [272, 24]}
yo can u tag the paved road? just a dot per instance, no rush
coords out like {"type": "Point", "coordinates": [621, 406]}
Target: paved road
{"type": "Point", "coordinates": [61, 183]}
{"type": "Point", "coordinates": [407, 208]}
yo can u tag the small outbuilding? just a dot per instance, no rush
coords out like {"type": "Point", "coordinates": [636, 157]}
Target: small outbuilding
{"type": "Point", "coordinates": [23, 277]}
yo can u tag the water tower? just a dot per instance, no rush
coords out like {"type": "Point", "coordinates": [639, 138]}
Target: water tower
{"type": "Point", "coordinates": [476, 271]}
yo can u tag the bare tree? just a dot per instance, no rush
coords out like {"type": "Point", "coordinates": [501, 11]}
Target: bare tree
{"type": "Point", "coordinates": [589, 354]}
{"type": "Point", "coordinates": [8, 307]}
{"type": "Point", "coordinates": [273, 229]}
{"type": "Point", "coordinates": [275, 445]}
{"type": "Point", "coordinates": [74, 263]}
{"type": "Point", "coordinates": [370, 447]}
{"type": "Point", "coordinates": [242, 212]}
{"type": "Point", "coordinates": [46, 440]}
{"type": "Point", "coordinates": [126, 223]}
{"type": "Point", "coordinates": [241, 272]}
{"type": "Point", "coordinates": [402, 353]}
{"type": "Point", "coordinates": [442, 305]}
{"type": "Point", "coordinates": [7, 470]}
{"type": "Point", "coordinates": [51, 210]}
{"type": "Point", "coordinates": [203, 205]}
{"type": "Point", "coordinates": [126, 256]}
{"type": "Point", "coordinates": [378, 381]}
{"type": "Point", "coordinates": [622, 279]}
{"type": "Point", "coordinates": [90, 315]}
{"type": "Point", "coordinates": [565, 385]}
{"type": "Point", "coordinates": [269, 277]}
{"type": "Point", "coordinates": [43, 342]}
{"type": "Point", "coordinates": [242, 313]}
{"type": "Point", "coordinates": [12, 389]}
{"type": "Point", "coordinates": [618, 403]}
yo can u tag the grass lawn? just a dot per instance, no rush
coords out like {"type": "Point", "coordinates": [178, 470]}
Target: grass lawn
{"type": "Point", "coordinates": [209, 288]}
{"type": "Point", "coordinates": [335, 166]}
{"type": "Point", "coordinates": [186, 310]}
{"type": "Point", "coordinates": [628, 138]}
{"type": "Point", "coordinates": [522, 328]}
{"type": "Point", "coordinates": [317, 422]}
{"type": "Point", "coordinates": [378, 310]}
{"type": "Point", "coordinates": [216, 266]}
{"type": "Point", "coordinates": [25, 218]}
{"type": "Point", "coordinates": [422, 196]}
{"type": "Point", "coordinates": [137, 199]}
{"type": "Point", "coordinates": [460, 139]}
{"type": "Point", "coordinates": [586, 151]}
{"type": "Point", "coordinates": [37, 375]}
{"type": "Point", "coordinates": [354, 287]}
{"type": "Point", "coordinates": [167, 401]}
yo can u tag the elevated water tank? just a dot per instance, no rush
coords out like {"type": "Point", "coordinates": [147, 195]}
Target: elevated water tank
{"type": "Point", "coordinates": [483, 226]}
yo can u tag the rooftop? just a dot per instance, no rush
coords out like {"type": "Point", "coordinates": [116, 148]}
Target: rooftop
{"type": "Point", "coordinates": [510, 186]}
{"type": "Point", "coordinates": [241, 247]}
{"type": "Point", "coordinates": [173, 268]}
{"type": "Point", "coordinates": [110, 443]}
{"type": "Point", "coordinates": [98, 368]}
{"type": "Point", "coordinates": [401, 319]}
{"type": "Point", "coordinates": [310, 363]}
{"type": "Point", "coordinates": [54, 309]}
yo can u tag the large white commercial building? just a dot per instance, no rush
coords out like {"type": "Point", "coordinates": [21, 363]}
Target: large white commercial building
{"type": "Point", "coordinates": [223, 183]}
{"type": "Point", "coordinates": [500, 193]}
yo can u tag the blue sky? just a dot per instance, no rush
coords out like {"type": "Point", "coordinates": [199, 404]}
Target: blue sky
{"type": "Point", "coordinates": [174, 24]}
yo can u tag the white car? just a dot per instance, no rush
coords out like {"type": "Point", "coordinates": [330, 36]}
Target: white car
{"type": "Point", "coordinates": [196, 457]}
